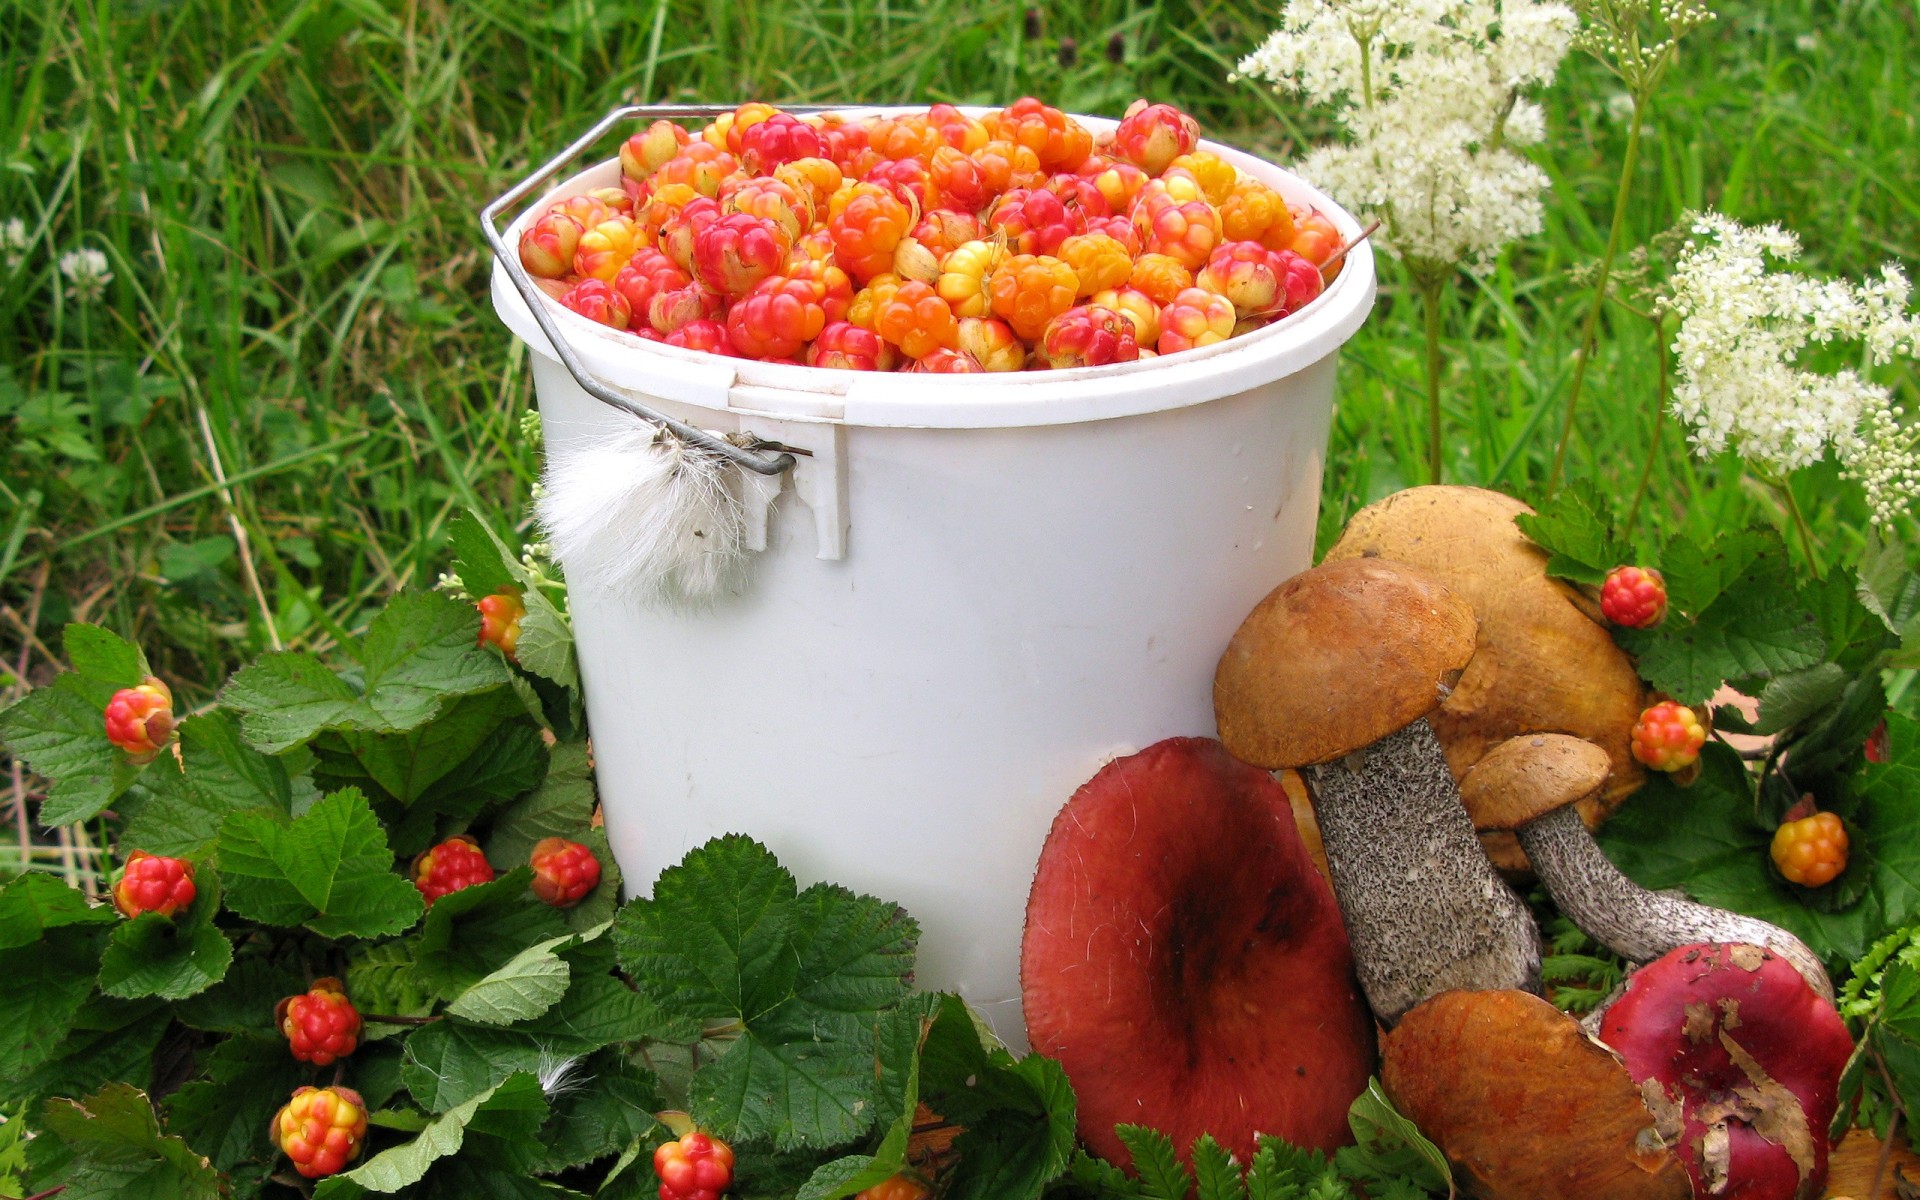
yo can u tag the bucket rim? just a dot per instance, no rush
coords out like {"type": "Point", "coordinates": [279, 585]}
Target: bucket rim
{"type": "Point", "coordinates": [786, 392]}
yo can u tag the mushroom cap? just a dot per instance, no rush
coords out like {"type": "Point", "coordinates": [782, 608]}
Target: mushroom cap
{"type": "Point", "coordinates": [1545, 663]}
{"type": "Point", "coordinates": [1524, 1103]}
{"type": "Point", "coordinates": [1737, 1045]}
{"type": "Point", "coordinates": [1335, 659]}
{"type": "Point", "coordinates": [1529, 776]}
{"type": "Point", "coordinates": [1187, 965]}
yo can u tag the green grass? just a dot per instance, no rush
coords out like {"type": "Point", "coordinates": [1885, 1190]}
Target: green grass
{"type": "Point", "coordinates": [287, 189]}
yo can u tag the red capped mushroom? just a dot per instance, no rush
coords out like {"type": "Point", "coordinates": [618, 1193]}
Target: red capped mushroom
{"type": "Point", "coordinates": [1732, 1041]}
{"type": "Point", "coordinates": [1185, 962]}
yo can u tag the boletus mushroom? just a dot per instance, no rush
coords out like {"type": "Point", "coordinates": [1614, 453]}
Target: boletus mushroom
{"type": "Point", "coordinates": [1336, 671]}
{"type": "Point", "coordinates": [1185, 962]}
{"type": "Point", "coordinates": [1532, 786]}
{"type": "Point", "coordinates": [1730, 1043]}
{"type": "Point", "coordinates": [1545, 662]}
{"type": "Point", "coordinates": [1525, 1104]}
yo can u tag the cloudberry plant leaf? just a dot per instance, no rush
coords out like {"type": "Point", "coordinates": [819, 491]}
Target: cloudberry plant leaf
{"type": "Point", "coordinates": [451, 1061]}
{"type": "Point", "coordinates": [1697, 574]}
{"type": "Point", "coordinates": [546, 646]}
{"type": "Point", "coordinates": [418, 655]}
{"type": "Point", "coordinates": [408, 766]}
{"type": "Point", "coordinates": [806, 974]}
{"type": "Point", "coordinates": [526, 985]}
{"type": "Point", "coordinates": [1576, 529]}
{"type": "Point", "coordinates": [1888, 585]}
{"type": "Point", "coordinates": [1104, 1180]}
{"type": "Point", "coordinates": [328, 869]}
{"type": "Point", "coordinates": [470, 933]}
{"type": "Point", "coordinates": [35, 902]}
{"type": "Point", "coordinates": [896, 1098]}
{"type": "Point", "coordinates": [606, 1104]}
{"type": "Point", "coordinates": [1791, 698]}
{"type": "Point", "coordinates": [47, 982]}
{"type": "Point", "coordinates": [104, 657]}
{"type": "Point", "coordinates": [171, 958]}
{"type": "Point", "coordinates": [1018, 1114]}
{"type": "Point", "coordinates": [516, 1098]}
{"type": "Point", "coordinates": [219, 775]}
{"type": "Point", "coordinates": [106, 1040]}
{"type": "Point", "coordinates": [246, 1081]}
{"type": "Point", "coordinates": [243, 1000]}
{"type": "Point", "coordinates": [381, 977]}
{"type": "Point", "coordinates": [479, 557]}
{"type": "Point", "coordinates": [59, 731]}
{"type": "Point", "coordinates": [546, 642]}
{"type": "Point", "coordinates": [562, 806]}
{"type": "Point", "coordinates": [1754, 630]}
{"type": "Point", "coordinates": [118, 1149]}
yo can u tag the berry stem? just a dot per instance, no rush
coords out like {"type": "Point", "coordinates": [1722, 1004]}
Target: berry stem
{"type": "Point", "coordinates": [1785, 488]}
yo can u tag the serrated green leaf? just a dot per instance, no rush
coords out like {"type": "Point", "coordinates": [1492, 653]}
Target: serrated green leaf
{"type": "Point", "coordinates": [1019, 1116]}
{"type": "Point", "coordinates": [1216, 1176]}
{"type": "Point", "coordinates": [1888, 586]}
{"type": "Point", "coordinates": [243, 1000]}
{"type": "Point", "coordinates": [562, 806]}
{"type": "Point", "coordinates": [1156, 1162]}
{"type": "Point", "coordinates": [1106, 1181]}
{"type": "Point", "coordinates": [451, 1061]}
{"type": "Point", "coordinates": [119, 1150]}
{"type": "Point", "coordinates": [522, 988]}
{"type": "Point", "coordinates": [47, 982]}
{"type": "Point", "coordinates": [606, 1105]}
{"type": "Point", "coordinates": [896, 1096]}
{"type": "Point", "coordinates": [1394, 1143]}
{"type": "Point", "coordinates": [328, 869]}
{"type": "Point", "coordinates": [479, 557]}
{"type": "Point", "coordinates": [222, 1116]}
{"type": "Point", "coordinates": [408, 765]}
{"type": "Point", "coordinates": [418, 655]}
{"type": "Point", "coordinates": [102, 656]}
{"type": "Point", "coordinates": [171, 958]}
{"type": "Point", "coordinates": [219, 775]}
{"type": "Point", "coordinates": [546, 642]}
{"type": "Point", "coordinates": [380, 977]}
{"type": "Point", "coordinates": [1755, 629]}
{"type": "Point", "coordinates": [1791, 698]}
{"type": "Point", "coordinates": [57, 731]}
{"type": "Point", "coordinates": [1575, 529]}
{"type": "Point", "coordinates": [1696, 575]}
{"type": "Point", "coordinates": [109, 1040]}
{"type": "Point", "coordinates": [712, 939]}
{"type": "Point", "coordinates": [35, 902]}
{"type": "Point", "coordinates": [515, 1098]}
{"type": "Point", "coordinates": [472, 932]}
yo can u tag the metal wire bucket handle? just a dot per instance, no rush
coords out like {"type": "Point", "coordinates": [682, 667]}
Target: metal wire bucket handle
{"type": "Point", "coordinates": [752, 459]}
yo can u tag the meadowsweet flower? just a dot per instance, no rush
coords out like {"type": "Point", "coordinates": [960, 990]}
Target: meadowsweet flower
{"type": "Point", "coordinates": [1739, 380]}
{"type": "Point", "coordinates": [13, 242]}
{"type": "Point", "coordinates": [86, 272]}
{"type": "Point", "coordinates": [1430, 94]}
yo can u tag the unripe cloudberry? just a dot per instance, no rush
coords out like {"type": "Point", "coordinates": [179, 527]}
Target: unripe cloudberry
{"type": "Point", "coordinates": [151, 883]}
{"type": "Point", "coordinates": [697, 1167]}
{"type": "Point", "coordinates": [320, 1129]}
{"type": "Point", "coordinates": [1635, 597]}
{"type": "Point", "coordinates": [500, 616]}
{"type": "Point", "coordinates": [563, 871]}
{"type": "Point", "coordinates": [1811, 851]}
{"type": "Point", "coordinates": [896, 1187]}
{"type": "Point", "coordinates": [140, 718]}
{"type": "Point", "coordinates": [320, 1024]}
{"type": "Point", "coordinates": [1668, 737]}
{"type": "Point", "coordinates": [454, 864]}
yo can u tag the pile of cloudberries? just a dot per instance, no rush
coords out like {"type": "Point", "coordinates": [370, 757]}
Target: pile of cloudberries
{"type": "Point", "coordinates": [934, 242]}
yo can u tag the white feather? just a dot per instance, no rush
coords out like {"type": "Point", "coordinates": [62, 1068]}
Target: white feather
{"type": "Point", "coordinates": [645, 516]}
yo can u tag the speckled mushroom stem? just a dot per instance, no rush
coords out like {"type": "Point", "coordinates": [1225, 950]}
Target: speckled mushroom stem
{"type": "Point", "coordinates": [1425, 910]}
{"type": "Point", "coordinates": [1632, 921]}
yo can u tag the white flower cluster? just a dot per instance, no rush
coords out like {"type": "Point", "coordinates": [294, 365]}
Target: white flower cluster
{"type": "Point", "coordinates": [1614, 34]}
{"type": "Point", "coordinates": [1739, 382]}
{"type": "Point", "coordinates": [13, 243]}
{"type": "Point", "coordinates": [1430, 93]}
{"type": "Point", "coordinates": [86, 272]}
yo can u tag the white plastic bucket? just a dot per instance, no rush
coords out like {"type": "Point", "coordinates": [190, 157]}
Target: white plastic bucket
{"type": "Point", "coordinates": [976, 591]}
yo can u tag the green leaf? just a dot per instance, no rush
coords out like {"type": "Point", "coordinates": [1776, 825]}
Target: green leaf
{"type": "Point", "coordinates": [1697, 575]}
{"type": "Point", "coordinates": [243, 1000]}
{"type": "Point", "coordinates": [222, 1116]}
{"type": "Point", "coordinates": [418, 655]}
{"type": "Point", "coordinates": [546, 641]}
{"type": "Point", "coordinates": [222, 775]}
{"type": "Point", "coordinates": [1103, 1179]}
{"type": "Point", "coordinates": [479, 557]}
{"type": "Point", "coordinates": [408, 765]}
{"type": "Point", "coordinates": [47, 982]}
{"type": "Point", "coordinates": [1395, 1142]}
{"type": "Point", "coordinates": [328, 869]}
{"type": "Point", "coordinates": [451, 1061]}
{"type": "Point", "coordinates": [725, 935]}
{"type": "Point", "coordinates": [605, 1106]}
{"type": "Point", "coordinates": [526, 985]}
{"type": "Point", "coordinates": [511, 1104]}
{"type": "Point", "coordinates": [1019, 1116]}
{"type": "Point", "coordinates": [59, 732]}
{"type": "Point", "coordinates": [119, 1150]}
{"type": "Point", "coordinates": [1575, 528]}
{"type": "Point", "coordinates": [896, 1097]}
{"type": "Point", "coordinates": [104, 657]}
{"type": "Point", "coordinates": [381, 978]}
{"type": "Point", "coordinates": [35, 902]}
{"type": "Point", "coordinates": [1888, 586]}
{"type": "Point", "coordinates": [1755, 629]}
{"type": "Point", "coordinates": [473, 932]}
{"type": "Point", "coordinates": [1215, 1172]}
{"type": "Point", "coordinates": [108, 1040]}
{"type": "Point", "coordinates": [1156, 1161]}
{"type": "Point", "coordinates": [1790, 699]}
{"type": "Point", "coordinates": [562, 806]}
{"type": "Point", "coordinates": [171, 958]}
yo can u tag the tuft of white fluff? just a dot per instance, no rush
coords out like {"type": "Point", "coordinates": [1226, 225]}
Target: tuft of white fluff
{"type": "Point", "coordinates": [645, 517]}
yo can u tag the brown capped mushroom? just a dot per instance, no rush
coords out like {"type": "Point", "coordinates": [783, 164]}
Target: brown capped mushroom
{"type": "Point", "coordinates": [1525, 1104]}
{"type": "Point", "coordinates": [1335, 671]}
{"type": "Point", "coordinates": [1531, 786]}
{"type": "Point", "coordinates": [1545, 663]}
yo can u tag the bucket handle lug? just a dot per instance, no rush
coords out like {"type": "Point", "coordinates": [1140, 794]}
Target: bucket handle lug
{"type": "Point", "coordinates": [760, 461]}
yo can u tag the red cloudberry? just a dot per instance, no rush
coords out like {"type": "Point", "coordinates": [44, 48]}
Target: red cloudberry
{"type": "Point", "coordinates": [320, 1129]}
{"type": "Point", "coordinates": [1151, 136]}
{"type": "Point", "coordinates": [596, 300]}
{"type": "Point", "coordinates": [563, 871]}
{"type": "Point", "coordinates": [946, 362]}
{"type": "Point", "coordinates": [1635, 597]}
{"type": "Point", "coordinates": [548, 245]}
{"type": "Point", "coordinates": [706, 335]}
{"type": "Point", "coordinates": [645, 276]}
{"type": "Point", "coordinates": [1812, 851]}
{"type": "Point", "coordinates": [897, 1187]}
{"type": "Point", "coordinates": [736, 252]}
{"type": "Point", "coordinates": [1088, 336]}
{"type": "Point", "coordinates": [152, 883]}
{"type": "Point", "coordinates": [1195, 318]}
{"type": "Point", "coordinates": [454, 864]}
{"type": "Point", "coordinates": [847, 347]}
{"type": "Point", "coordinates": [320, 1024]}
{"type": "Point", "coordinates": [1033, 221]}
{"type": "Point", "coordinates": [1668, 737]}
{"type": "Point", "coordinates": [778, 318]}
{"type": "Point", "coordinates": [139, 719]}
{"type": "Point", "coordinates": [500, 616]}
{"type": "Point", "coordinates": [696, 1167]}
{"type": "Point", "coordinates": [781, 138]}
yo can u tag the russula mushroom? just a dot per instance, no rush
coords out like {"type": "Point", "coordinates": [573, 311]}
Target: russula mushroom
{"type": "Point", "coordinates": [1336, 671]}
{"type": "Point", "coordinates": [1731, 1043]}
{"type": "Point", "coordinates": [1525, 1104]}
{"type": "Point", "coordinates": [1531, 786]}
{"type": "Point", "coordinates": [1185, 963]}
{"type": "Point", "coordinates": [1544, 663]}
